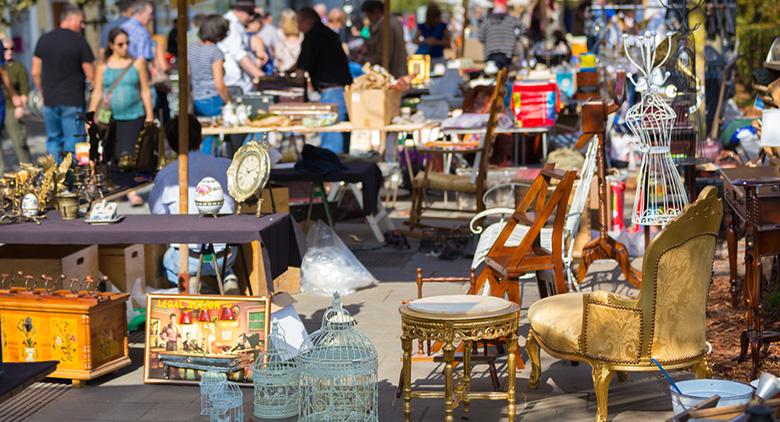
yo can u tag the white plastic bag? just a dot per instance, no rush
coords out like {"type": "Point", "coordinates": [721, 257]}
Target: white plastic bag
{"type": "Point", "coordinates": [329, 266]}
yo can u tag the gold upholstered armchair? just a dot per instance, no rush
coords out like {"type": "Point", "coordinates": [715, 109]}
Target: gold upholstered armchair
{"type": "Point", "coordinates": [615, 334]}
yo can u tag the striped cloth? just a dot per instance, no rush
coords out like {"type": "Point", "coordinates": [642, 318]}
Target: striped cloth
{"type": "Point", "coordinates": [498, 33]}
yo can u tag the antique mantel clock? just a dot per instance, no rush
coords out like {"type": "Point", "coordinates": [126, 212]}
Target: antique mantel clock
{"type": "Point", "coordinates": [248, 173]}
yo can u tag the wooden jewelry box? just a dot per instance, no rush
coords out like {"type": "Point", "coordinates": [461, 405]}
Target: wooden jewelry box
{"type": "Point", "coordinates": [85, 332]}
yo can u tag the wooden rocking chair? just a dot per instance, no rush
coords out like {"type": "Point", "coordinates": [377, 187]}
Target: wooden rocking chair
{"type": "Point", "coordinates": [504, 264]}
{"type": "Point", "coordinates": [470, 184]}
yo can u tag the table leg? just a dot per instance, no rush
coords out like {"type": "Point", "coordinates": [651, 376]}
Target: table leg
{"type": "Point", "coordinates": [755, 320]}
{"type": "Point", "coordinates": [449, 403]}
{"type": "Point", "coordinates": [544, 146]}
{"type": "Point", "coordinates": [467, 346]}
{"type": "Point", "coordinates": [511, 373]}
{"type": "Point", "coordinates": [731, 241]}
{"type": "Point", "coordinates": [257, 277]}
{"type": "Point", "coordinates": [321, 187]}
{"type": "Point", "coordinates": [406, 345]}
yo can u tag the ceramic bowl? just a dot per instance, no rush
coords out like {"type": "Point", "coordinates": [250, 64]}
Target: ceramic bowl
{"type": "Point", "coordinates": [209, 196]}
{"type": "Point", "coordinates": [29, 205]}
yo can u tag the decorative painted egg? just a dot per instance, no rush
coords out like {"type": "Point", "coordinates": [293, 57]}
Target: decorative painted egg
{"type": "Point", "coordinates": [209, 196]}
{"type": "Point", "coordinates": [29, 205]}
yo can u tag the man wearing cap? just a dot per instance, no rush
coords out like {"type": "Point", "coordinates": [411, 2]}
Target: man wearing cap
{"type": "Point", "coordinates": [240, 68]}
{"type": "Point", "coordinates": [499, 33]}
{"type": "Point", "coordinates": [324, 58]}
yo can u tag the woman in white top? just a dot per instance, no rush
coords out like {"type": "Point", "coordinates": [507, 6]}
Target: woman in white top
{"type": "Point", "coordinates": [289, 47]}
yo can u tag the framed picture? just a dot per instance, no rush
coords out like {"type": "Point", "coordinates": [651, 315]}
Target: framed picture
{"type": "Point", "coordinates": [189, 335]}
{"type": "Point", "coordinates": [419, 65]}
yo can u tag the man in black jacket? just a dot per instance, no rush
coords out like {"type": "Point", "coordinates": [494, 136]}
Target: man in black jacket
{"type": "Point", "coordinates": [323, 57]}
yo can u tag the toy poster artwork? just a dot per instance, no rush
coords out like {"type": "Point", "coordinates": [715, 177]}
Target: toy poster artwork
{"type": "Point", "coordinates": [189, 335]}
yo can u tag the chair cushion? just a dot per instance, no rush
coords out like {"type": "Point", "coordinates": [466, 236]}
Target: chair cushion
{"type": "Point", "coordinates": [441, 181]}
{"type": "Point", "coordinates": [491, 233]}
{"type": "Point", "coordinates": [460, 305]}
{"type": "Point", "coordinates": [558, 321]}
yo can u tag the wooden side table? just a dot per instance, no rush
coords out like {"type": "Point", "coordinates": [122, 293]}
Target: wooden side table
{"type": "Point", "coordinates": [752, 196]}
{"type": "Point", "coordinates": [451, 320]}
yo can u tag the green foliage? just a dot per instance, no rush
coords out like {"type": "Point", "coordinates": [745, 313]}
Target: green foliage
{"type": "Point", "coordinates": [754, 42]}
{"type": "Point", "coordinates": [13, 7]}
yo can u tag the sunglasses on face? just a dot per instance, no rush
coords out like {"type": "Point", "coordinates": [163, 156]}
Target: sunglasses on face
{"type": "Point", "coordinates": [121, 44]}
{"type": "Point", "coordinates": [8, 49]}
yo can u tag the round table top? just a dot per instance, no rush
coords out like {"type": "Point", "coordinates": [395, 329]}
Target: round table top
{"type": "Point", "coordinates": [459, 307]}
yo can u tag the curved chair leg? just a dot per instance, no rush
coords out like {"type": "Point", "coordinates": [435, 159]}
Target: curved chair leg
{"type": "Point", "coordinates": [532, 347]}
{"type": "Point", "coordinates": [602, 375]}
{"type": "Point", "coordinates": [702, 369]}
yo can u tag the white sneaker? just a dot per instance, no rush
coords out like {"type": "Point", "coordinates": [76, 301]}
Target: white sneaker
{"type": "Point", "coordinates": [231, 285]}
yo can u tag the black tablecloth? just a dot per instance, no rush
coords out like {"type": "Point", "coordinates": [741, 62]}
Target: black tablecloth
{"type": "Point", "coordinates": [275, 231]}
{"type": "Point", "coordinates": [18, 376]}
{"type": "Point", "coordinates": [364, 172]}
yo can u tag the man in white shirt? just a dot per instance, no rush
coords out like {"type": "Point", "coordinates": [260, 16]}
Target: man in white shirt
{"type": "Point", "coordinates": [164, 198]}
{"type": "Point", "coordinates": [240, 68]}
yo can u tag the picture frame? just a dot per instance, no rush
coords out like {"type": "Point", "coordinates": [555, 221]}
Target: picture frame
{"type": "Point", "coordinates": [419, 65]}
{"type": "Point", "coordinates": [189, 335]}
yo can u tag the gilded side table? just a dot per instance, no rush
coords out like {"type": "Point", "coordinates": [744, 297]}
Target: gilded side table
{"type": "Point", "coordinates": [451, 320]}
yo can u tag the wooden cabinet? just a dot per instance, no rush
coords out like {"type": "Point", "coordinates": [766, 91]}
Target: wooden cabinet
{"type": "Point", "coordinates": [86, 334]}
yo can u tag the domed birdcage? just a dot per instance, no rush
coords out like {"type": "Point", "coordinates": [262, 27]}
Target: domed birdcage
{"type": "Point", "coordinates": [338, 371]}
{"type": "Point", "coordinates": [209, 382]}
{"type": "Point", "coordinates": [276, 378]}
{"type": "Point", "coordinates": [226, 403]}
{"type": "Point", "coordinates": [660, 195]}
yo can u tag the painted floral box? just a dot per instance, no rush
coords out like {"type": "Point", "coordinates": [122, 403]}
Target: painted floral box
{"type": "Point", "coordinates": [86, 333]}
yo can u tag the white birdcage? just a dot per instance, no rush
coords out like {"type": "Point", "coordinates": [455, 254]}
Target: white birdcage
{"type": "Point", "coordinates": [226, 403]}
{"type": "Point", "coordinates": [338, 372]}
{"type": "Point", "coordinates": [209, 382]}
{"type": "Point", "coordinates": [660, 195]}
{"type": "Point", "coordinates": [276, 378]}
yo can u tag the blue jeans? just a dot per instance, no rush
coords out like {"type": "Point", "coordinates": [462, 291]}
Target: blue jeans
{"type": "Point", "coordinates": [208, 107]}
{"type": "Point", "coordinates": [63, 127]}
{"type": "Point", "coordinates": [171, 264]}
{"type": "Point", "coordinates": [334, 141]}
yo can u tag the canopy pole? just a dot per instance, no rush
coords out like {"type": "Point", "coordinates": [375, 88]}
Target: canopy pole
{"type": "Point", "coordinates": [184, 89]}
{"type": "Point", "coordinates": [386, 36]}
{"type": "Point", "coordinates": [465, 26]}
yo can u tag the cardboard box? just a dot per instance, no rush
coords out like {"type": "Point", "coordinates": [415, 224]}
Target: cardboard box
{"type": "Point", "coordinates": [75, 261]}
{"type": "Point", "coordinates": [372, 108]}
{"type": "Point", "coordinates": [289, 282]}
{"type": "Point", "coordinates": [474, 50]}
{"type": "Point", "coordinates": [281, 199]}
{"type": "Point", "coordinates": [153, 266]}
{"type": "Point", "coordinates": [124, 265]}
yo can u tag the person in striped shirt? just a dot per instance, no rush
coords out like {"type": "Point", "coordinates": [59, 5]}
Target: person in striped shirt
{"type": "Point", "coordinates": [499, 33]}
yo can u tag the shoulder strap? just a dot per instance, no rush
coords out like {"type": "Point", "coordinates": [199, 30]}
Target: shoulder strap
{"type": "Point", "coordinates": [119, 78]}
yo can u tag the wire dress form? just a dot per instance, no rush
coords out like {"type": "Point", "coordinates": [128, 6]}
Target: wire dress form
{"type": "Point", "coordinates": [660, 195]}
{"type": "Point", "coordinates": [276, 378]}
{"type": "Point", "coordinates": [338, 372]}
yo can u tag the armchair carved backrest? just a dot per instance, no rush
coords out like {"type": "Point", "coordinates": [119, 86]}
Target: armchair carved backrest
{"type": "Point", "coordinates": [676, 274]}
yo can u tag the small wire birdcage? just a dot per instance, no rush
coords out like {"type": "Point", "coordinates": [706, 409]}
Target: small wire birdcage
{"type": "Point", "coordinates": [338, 371]}
{"type": "Point", "coordinates": [209, 382]}
{"type": "Point", "coordinates": [660, 195]}
{"type": "Point", "coordinates": [226, 403]}
{"type": "Point", "coordinates": [276, 378]}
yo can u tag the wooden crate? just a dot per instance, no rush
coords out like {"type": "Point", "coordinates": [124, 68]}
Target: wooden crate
{"type": "Point", "coordinates": [52, 260]}
{"type": "Point", "coordinates": [281, 199]}
{"type": "Point", "coordinates": [124, 265]}
{"type": "Point", "coordinates": [289, 281]}
{"type": "Point", "coordinates": [87, 335]}
{"type": "Point", "coordinates": [153, 266]}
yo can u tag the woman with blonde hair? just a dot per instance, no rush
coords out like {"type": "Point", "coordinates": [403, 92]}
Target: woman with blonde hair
{"type": "Point", "coordinates": [289, 47]}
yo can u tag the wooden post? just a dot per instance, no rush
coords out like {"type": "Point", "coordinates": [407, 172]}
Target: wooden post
{"type": "Point", "coordinates": [465, 26]}
{"type": "Point", "coordinates": [184, 89]}
{"type": "Point", "coordinates": [386, 36]}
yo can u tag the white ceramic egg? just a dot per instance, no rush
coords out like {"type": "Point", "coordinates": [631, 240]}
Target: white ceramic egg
{"type": "Point", "coordinates": [29, 205]}
{"type": "Point", "coordinates": [209, 196]}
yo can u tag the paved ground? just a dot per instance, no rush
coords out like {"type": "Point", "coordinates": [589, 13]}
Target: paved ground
{"type": "Point", "coordinates": [565, 394]}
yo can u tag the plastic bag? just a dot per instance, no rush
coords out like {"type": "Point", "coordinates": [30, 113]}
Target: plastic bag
{"type": "Point", "coordinates": [329, 266]}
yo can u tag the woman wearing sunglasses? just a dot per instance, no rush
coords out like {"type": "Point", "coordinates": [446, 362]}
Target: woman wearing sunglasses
{"type": "Point", "coordinates": [121, 99]}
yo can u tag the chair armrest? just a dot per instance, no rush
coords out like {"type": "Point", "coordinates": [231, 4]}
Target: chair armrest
{"type": "Point", "coordinates": [486, 213]}
{"type": "Point", "coordinates": [611, 328]}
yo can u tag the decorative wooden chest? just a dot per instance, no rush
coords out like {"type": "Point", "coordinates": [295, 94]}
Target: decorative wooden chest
{"type": "Point", "coordinates": [86, 333]}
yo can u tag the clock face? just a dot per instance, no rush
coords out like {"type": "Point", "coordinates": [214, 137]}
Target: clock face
{"type": "Point", "coordinates": [248, 173]}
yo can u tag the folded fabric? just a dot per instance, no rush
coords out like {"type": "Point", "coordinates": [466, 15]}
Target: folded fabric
{"type": "Point", "coordinates": [475, 121]}
{"type": "Point", "coordinates": [318, 160]}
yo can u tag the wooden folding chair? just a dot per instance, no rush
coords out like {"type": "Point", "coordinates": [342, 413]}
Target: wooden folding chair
{"type": "Point", "coordinates": [504, 264]}
{"type": "Point", "coordinates": [471, 184]}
